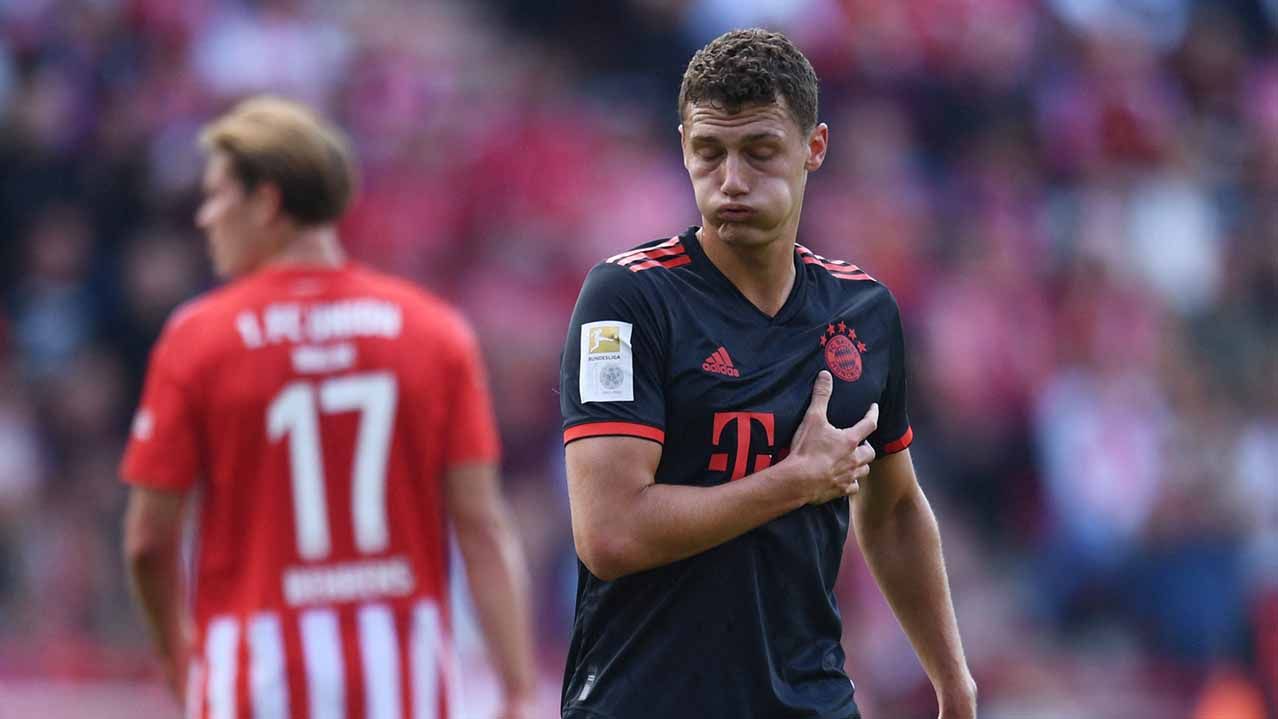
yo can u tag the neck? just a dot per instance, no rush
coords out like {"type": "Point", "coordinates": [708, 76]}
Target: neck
{"type": "Point", "coordinates": [313, 246]}
{"type": "Point", "coordinates": [763, 273]}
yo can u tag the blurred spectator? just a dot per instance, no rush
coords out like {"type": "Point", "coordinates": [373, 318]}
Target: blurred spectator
{"type": "Point", "coordinates": [53, 305]}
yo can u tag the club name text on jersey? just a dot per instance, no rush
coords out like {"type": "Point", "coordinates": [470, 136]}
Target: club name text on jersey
{"type": "Point", "coordinates": [295, 322]}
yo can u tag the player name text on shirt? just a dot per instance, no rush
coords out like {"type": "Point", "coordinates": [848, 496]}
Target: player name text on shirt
{"type": "Point", "coordinates": [348, 581]}
{"type": "Point", "coordinates": [281, 322]}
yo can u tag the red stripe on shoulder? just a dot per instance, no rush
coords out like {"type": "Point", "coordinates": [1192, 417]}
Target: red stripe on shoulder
{"type": "Point", "coordinates": [668, 254]}
{"type": "Point", "coordinates": [838, 268]}
{"type": "Point", "coordinates": [905, 441]}
{"type": "Point", "coordinates": [668, 264]}
{"type": "Point", "coordinates": [673, 241]}
{"type": "Point", "coordinates": [653, 254]}
{"type": "Point", "coordinates": [612, 429]}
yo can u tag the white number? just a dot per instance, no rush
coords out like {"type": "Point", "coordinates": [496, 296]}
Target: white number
{"type": "Point", "coordinates": [373, 395]}
{"type": "Point", "coordinates": [293, 413]}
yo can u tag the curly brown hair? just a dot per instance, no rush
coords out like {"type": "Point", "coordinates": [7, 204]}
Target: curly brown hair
{"type": "Point", "coordinates": [751, 67]}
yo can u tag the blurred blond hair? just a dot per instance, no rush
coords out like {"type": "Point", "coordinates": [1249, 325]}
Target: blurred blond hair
{"type": "Point", "coordinates": [272, 140]}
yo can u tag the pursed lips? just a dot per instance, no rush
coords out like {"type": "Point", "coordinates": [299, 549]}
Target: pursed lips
{"type": "Point", "coordinates": [734, 213]}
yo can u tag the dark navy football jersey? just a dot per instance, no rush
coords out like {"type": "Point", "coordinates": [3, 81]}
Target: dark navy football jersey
{"type": "Point", "coordinates": [664, 347]}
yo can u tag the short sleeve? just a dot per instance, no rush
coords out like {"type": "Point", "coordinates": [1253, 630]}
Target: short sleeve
{"type": "Point", "coordinates": [472, 426]}
{"type": "Point", "coordinates": [163, 451]}
{"type": "Point", "coordinates": [894, 433]}
{"type": "Point", "coordinates": [612, 376]}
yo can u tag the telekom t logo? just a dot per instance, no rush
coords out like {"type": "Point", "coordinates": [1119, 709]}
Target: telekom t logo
{"type": "Point", "coordinates": [744, 422]}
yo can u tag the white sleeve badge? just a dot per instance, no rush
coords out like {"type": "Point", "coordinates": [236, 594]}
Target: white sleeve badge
{"type": "Point", "coordinates": [607, 372]}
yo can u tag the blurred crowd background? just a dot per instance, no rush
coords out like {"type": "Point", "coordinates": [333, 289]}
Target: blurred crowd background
{"type": "Point", "coordinates": [1075, 202]}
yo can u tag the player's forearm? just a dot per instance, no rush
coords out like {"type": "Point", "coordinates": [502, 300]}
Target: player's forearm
{"type": "Point", "coordinates": [498, 577]}
{"type": "Point", "coordinates": [155, 580]}
{"type": "Point", "coordinates": [667, 522]}
{"type": "Point", "coordinates": [902, 546]}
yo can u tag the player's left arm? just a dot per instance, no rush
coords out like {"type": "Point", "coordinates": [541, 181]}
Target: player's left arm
{"type": "Point", "coordinates": [498, 576]}
{"type": "Point", "coordinates": [484, 526]}
{"type": "Point", "coordinates": [898, 535]}
{"type": "Point", "coordinates": [152, 547]}
{"type": "Point", "coordinates": [161, 463]}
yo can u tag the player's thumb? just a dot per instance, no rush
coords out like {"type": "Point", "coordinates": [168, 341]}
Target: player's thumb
{"type": "Point", "coordinates": [821, 392]}
{"type": "Point", "coordinates": [862, 430]}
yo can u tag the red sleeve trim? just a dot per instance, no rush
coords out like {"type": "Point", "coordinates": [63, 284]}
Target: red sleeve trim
{"type": "Point", "coordinates": [905, 441]}
{"type": "Point", "coordinates": [601, 429]}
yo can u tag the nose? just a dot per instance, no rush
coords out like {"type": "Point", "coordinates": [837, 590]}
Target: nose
{"type": "Point", "coordinates": [734, 183]}
{"type": "Point", "coordinates": [202, 218]}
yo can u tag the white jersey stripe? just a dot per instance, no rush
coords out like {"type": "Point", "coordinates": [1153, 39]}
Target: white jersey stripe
{"type": "Point", "coordinates": [423, 657]}
{"type": "Point", "coordinates": [380, 654]}
{"type": "Point", "coordinates": [452, 677]}
{"type": "Point", "coordinates": [195, 689]}
{"type": "Point", "coordinates": [322, 654]}
{"type": "Point", "coordinates": [221, 648]}
{"type": "Point", "coordinates": [268, 685]}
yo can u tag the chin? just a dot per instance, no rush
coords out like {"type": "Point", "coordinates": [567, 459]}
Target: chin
{"type": "Point", "coordinates": [743, 235]}
{"type": "Point", "coordinates": [224, 269]}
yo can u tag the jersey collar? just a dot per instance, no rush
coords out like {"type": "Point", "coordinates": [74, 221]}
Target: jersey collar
{"type": "Point", "coordinates": [707, 269]}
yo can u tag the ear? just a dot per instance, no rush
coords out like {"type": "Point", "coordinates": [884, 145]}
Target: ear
{"type": "Point", "coordinates": [266, 203]}
{"type": "Point", "coordinates": [818, 143]}
{"type": "Point", "coordinates": [683, 145]}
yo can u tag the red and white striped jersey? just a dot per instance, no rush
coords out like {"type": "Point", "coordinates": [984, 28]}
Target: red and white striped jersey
{"type": "Point", "coordinates": [313, 413]}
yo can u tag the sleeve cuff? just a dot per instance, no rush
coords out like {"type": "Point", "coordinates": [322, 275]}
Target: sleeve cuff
{"type": "Point", "coordinates": [905, 441]}
{"type": "Point", "coordinates": [605, 429]}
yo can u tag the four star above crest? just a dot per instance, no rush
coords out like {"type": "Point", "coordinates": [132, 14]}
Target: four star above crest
{"type": "Point", "coordinates": [832, 330]}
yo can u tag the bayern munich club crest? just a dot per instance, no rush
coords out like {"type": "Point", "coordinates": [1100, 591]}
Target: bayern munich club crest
{"type": "Point", "coordinates": [843, 351]}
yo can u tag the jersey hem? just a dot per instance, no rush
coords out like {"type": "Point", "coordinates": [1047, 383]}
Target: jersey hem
{"type": "Point", "coordinates": [605, 429]}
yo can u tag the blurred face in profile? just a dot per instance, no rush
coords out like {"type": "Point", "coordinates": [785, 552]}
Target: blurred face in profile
{"type": "Point", "coordinates": [227, 217]}
{"type": "Point", "coordinates": [749, 169]}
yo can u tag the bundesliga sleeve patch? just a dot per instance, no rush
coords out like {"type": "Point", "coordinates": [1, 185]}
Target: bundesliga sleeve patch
{"type": "Point", "coordinates": [607, 362]}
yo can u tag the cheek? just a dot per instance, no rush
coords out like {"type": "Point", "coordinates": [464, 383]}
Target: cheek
{"type": "Point", "coordinates": [777, 194]}
{"type": "Point", "coordinates": [703, 187]}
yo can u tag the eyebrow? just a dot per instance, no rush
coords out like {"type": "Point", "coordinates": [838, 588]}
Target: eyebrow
{"type": "Point", "coordinates": [699, 138]}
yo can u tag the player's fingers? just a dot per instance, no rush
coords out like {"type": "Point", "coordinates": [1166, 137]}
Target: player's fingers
{"type": "Point", "coordinates": [860, 472]}
{"type": "Point", "coordinates": [821, 391]}
{"type": "Point", "coordinates": [837, 487]}
{"type": "Point", "coordinates": [853, 488]}
{"type": "Point", "coordinates": [863, 455]}
{"type": "Point", "coordinates": [863, 429]}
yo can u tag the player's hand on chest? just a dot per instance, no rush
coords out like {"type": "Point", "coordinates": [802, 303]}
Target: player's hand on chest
{"type": "Point", "coordinates": [740, 398]}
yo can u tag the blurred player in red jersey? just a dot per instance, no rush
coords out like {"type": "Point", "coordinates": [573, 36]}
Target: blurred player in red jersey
{"type": "Point", "coordinates": [325, 424]}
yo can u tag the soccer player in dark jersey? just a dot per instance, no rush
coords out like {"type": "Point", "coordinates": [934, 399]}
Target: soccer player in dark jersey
{"type": "Point", "coordinates": [729, 399]}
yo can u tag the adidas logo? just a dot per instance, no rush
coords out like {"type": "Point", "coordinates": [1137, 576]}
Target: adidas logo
{"type": "Point", "coordinates": [720, 363]}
